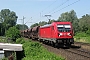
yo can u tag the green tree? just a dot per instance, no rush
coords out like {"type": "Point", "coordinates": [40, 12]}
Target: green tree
{"type": "Point", "coordinates": [36, 24]}
{"type": "Point", "coordinates": [13, 33]}
{"type": "Point", "coordinates": [0, 29]}
{"type": "Point", "coordinates": [50, 21]}
{"type": "Point", "coordinates": [84, 23]}
{"type": "Point", "coordinates": [21, 27]}
{"type": "Point", "coordinates": [8, 18]}
{"type": "Point", "coordinates": [42, 23]}
{"type": "Point", "coordinates": [64, 17]}
{"type": "Point", "coordinates": [70, 17]}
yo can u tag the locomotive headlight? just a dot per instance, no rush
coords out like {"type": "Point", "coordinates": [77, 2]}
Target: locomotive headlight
{"type": "Point", "coordinates": [59, 34]}
{"type": "Point", "coordinates": [69, 34]}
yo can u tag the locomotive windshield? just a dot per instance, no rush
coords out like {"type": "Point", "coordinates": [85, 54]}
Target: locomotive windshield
{"type": "Point", "coordinates": [64, 28]}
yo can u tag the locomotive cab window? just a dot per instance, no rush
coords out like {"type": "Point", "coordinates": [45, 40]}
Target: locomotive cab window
{"type": "Point", "coordinates": [64, 28]}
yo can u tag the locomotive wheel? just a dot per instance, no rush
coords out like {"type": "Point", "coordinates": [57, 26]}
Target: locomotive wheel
{"type": "Point", "coordinates": [56, 45]}
{"type": "Point", "coordinates": [69, 45]}
{"type": "Point", "coordinates": [40, 40]}
{"type": "Point", "coordinates": [52, 44]}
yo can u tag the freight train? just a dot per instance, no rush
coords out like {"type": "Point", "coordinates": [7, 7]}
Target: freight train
{"type": "Point", "coordinates": [56, 33]}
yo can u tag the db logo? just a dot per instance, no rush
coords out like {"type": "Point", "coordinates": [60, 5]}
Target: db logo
{"type": "Point", "coordinates": [64, 34]}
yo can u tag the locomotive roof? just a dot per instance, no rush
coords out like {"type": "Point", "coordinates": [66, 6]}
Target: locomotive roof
{"type": "Point", "coordinates": [46, 25]}
{"type": "Point", "coordinates": [62, 22]}
{"type": "Point", "coordinates": [55, 23]}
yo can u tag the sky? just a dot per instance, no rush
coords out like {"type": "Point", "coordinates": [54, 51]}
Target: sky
{"type": "Point", "coordinates": [34, 11]}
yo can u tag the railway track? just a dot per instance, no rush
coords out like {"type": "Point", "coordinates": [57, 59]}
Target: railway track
{"type": "Point", "coordinates": [80, 52]}
{"type": "Point", "coordinates": [81, 43]}
{"type": "Point", "coordinates": [77, 51]}
{"type": "Point", "coordinates": [85, 46]}
{"type": "Point", "coordinates": [70, 53]}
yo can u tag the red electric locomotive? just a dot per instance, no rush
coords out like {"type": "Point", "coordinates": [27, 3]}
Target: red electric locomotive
{"type": "Point", "coordinates": [57, 33]}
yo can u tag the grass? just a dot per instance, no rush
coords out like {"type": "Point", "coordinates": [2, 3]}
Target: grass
{"type": "Point", "coordinates": [82, 37]}
{"type": "Point", "coordinates": [85, 39]}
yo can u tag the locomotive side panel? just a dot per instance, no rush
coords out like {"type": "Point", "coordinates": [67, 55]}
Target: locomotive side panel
{"type": "Point", "coordinates": [45, 32]}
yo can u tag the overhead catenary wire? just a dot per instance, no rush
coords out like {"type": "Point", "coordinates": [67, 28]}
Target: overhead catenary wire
{"type": "Point", "coordinates": [66, 6]}
{"type": "Point", "coordinates": [55, 7]}
{"type": "Point", "coordinates": [45, 9]}
{"type": "Point", "coordinates": [59, 6]}
{"type": "Point", "coordinates": [49, 5]}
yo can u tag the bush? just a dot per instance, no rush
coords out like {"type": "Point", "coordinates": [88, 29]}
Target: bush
{"type": "Point", "coordinates": [13, 33]}
{"type": "Point", "coordinates": [81, 34]}
{"type": "Point", "coordinates": [83, 37]}
{"type": "Point", "coordinates": [35, 51]}
{"type": "Point", "coordinates": [88, 32]}
{"type": "Point", "coordinates": [5, 58]}
{"type": "Point", "coordinates": [20, 40]}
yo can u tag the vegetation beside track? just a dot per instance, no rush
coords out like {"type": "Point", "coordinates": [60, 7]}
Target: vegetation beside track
{"type": "Point", "coordinates": [35, 51]}
{"type": "Point", "coordinates": [82, 37]}
{"type": "Point", "coordinates": [6, 40]}
{"type": "Point", "coordinates": [3, 39]}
